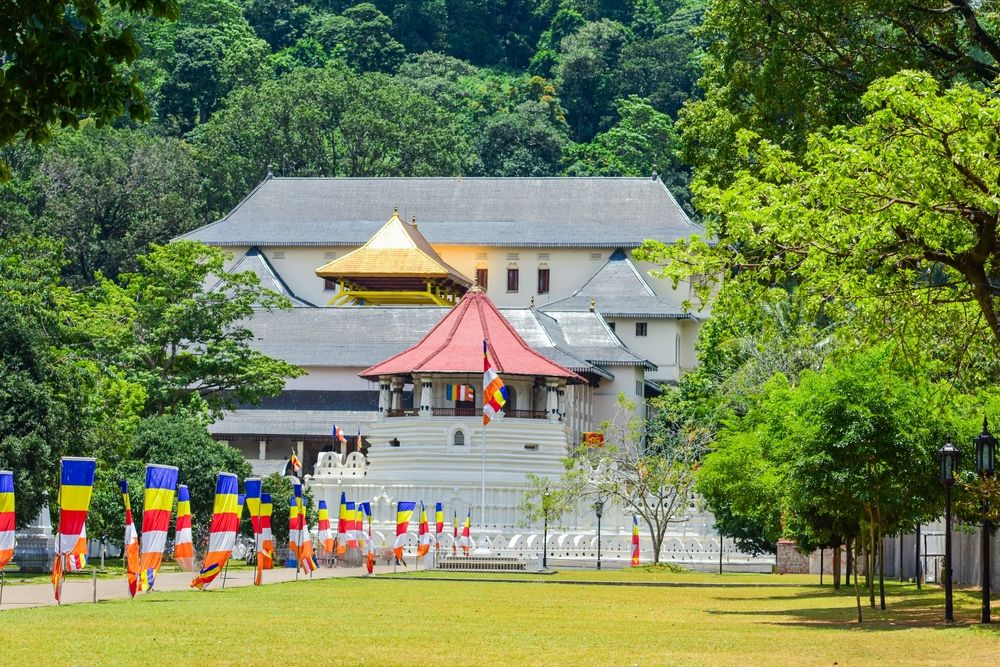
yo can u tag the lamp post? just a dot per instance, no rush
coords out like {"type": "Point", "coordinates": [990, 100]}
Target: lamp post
{"type": "Point", "coordinates": [599, 511]}
{"type": "Point", "coordinates": [949, 462]}
{"type": "Point", "coordinates": [986, 447]}
{"type": "Point", "coordinates": [545, 530]}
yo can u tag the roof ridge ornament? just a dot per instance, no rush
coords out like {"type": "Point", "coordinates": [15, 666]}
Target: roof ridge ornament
{"type": "Point", "coordinates": [593, 304]}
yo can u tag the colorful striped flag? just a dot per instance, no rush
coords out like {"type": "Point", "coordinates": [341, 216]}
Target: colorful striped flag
{"type": "Point", "coordinates": [352, 534]}
{"type": "Point", "coordinates": [359, 526]}
{"type": "Point", "coordinates": [459, 392]}
{"type": "Point", "coordinates": [454, 531]}
{"type": "Point", "coordinates": [161, 483]}
{"type": "Point", "coordinates": [222, 533]}
{"type": "Point", "coordinates": [494, 391]}
{"type": "Point", "coordinates": [635, 541]}
{"type": "Point", "coordinates": [131, 551]}
{"type": "Point", "coordinates": [76, 485]}
{"type": "Point", "coordinates": [296, 463]}
{"type": "Point", "coordinates": [7, 521]}
{"type": "Point", "coordinates": [342, 527]}
{"type": "Point", "coordinates": [367, 509]}
{"type": "Point", "coordinates": [338, 434]}
{"type": "Point", "coordinates": [466, 534]}
{"type": "Point", "coordinates": [404, 510]}
{"type": "Point", "coordinates": [294, 530]}
{"type": "Point", "coordinates": [438, 525]}
{"type": "Point", "coordinates": [265, 554]}
{"type": "Point", "coordinates": [307, 559]}
{"type": "Point", "coordinates": [254, 491]}
{"type": "Point", "coordinates": [423, 534]}
{"type": "Point", "coordinates": [183, 544]}
{"type": "Point", "coordinates": [325, 536]}
{"type": "Point", "coordinates": [76, 560]}
{"type": "Point", "coordinates": [359, 442]}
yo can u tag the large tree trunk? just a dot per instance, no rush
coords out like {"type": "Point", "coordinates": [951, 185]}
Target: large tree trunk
{"type": "Point", "coordinates": [870, 561]}
{"type": "Point", "coordinates": [836, 567]}
{"type": "Point", "coordinates": [857, 586]}
{"type": "Point", "coordinates": [881, 562]}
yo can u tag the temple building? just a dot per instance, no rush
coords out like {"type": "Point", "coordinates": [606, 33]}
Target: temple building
{"type": "Point", "coordinates": [539, 268]}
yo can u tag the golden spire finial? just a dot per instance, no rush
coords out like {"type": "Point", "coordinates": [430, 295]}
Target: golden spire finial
{"type": "Point", "coordinates": [593, 304]}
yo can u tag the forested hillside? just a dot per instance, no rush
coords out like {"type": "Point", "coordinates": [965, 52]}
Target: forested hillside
{"type": "Point", "coordinates": [391, 88]}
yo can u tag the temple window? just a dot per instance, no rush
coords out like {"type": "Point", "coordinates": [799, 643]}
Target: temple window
{"type": "Point", "coordinates": [640, 329]}
{"type": "Point", "coordinates": [513, 276]}
{"type": "Point", "coordinates": [482, 277]}
{"type": "Point", "coordinates": [458, 439]}
{"type": "Point", "coordinates": [543, 281]}
{"type": "Point", "coordinates": [278, 254]}
{"type": "Point", "coordinates": [513, 256]}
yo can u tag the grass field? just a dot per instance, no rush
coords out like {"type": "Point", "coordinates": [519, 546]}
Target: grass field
{"type": "Point", "coordinates": [403, 622]}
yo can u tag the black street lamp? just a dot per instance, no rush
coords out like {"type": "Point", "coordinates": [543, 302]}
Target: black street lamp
{"type": "Point", "coordinates": [545, 530]}
{"type": "Point", "coordinates": [986, 448]}
{"type": "Point", "coordinates": [599, 511]}
{"type": "Point", "coordinates": [949, 463]}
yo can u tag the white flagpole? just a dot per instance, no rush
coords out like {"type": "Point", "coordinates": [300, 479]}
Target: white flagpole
{"type": "Point", "coordinates": [482, 502]}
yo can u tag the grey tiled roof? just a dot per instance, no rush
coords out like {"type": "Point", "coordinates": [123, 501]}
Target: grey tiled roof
{"type": "Point", "coordinates": [618, 290]}
{"type": "Point", "coordinates": [361, 336]}
{"type": "Point", "coordinates": [582, 212]}
{"type": "Point", "coordinates": [255, 262]}
{"type": "Point", "coordinates": [309, 423]}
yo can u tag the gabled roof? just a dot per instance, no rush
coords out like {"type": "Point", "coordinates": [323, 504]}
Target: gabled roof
{"type": "Point", "coordinates": [255, 262]}
{"type": "Point", "coordinates": [514, 212]}
{"type": "Point", "coordinates": [397, 249]}
{"type": "Point", "coordinates": [617, 290]}
{"type": "Point", "coordinates": [455, 345]}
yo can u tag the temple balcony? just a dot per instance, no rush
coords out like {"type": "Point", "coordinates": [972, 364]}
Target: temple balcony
{"type": "Point", "coordinates": [467, 412]}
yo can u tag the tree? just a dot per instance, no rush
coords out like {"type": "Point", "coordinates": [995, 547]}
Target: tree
{"type": "Point", "coordinates": [279, 22]}
{"type": "Point", "coordinates": [647, 469]}
{"type": "Point", "coordinates": [186, 344]}
{"type": "Point", "coordinates": [585, 75]}
{"type": "Point", "coordinates": [194, 82]}
{"type": "Point", "coordinates": [784, 68]}
{"type": "Point", "coordinates": [890, 222]}
{"type": "Point", "coordinates": [642, 142]}
{"type": "Point", "coordinates": [523, 142]}
{"type": "Point", "coordinates": [366, 42]}
{"type": "Point", "coordinates": [108, 193]}
{"type": "Point", "coordinates": [53, 400]}
{"type": "Point", "coordinates": [62, 62]}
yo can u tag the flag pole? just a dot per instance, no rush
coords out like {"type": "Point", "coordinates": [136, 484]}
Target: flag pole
{"type": "Point", "coordinates": [3, 579]}
{"type": "Point", "coordinates": [482, 501]}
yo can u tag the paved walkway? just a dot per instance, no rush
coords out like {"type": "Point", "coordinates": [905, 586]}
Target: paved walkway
{"type": "Point", "coordinates": [77, 589]}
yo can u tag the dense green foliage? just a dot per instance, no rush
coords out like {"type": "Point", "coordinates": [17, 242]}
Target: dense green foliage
{"type": "Point", "coordinates": [389, 88]}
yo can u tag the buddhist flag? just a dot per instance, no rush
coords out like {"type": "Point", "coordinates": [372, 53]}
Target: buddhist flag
{"type": "Point", "coordinates": [494, 391]}
{"type": "Point", "coordinates": [466, 536]}
{"type": "Point", "coordinates": [454, 533]}
{"type": "Point", "coordinates": [423, 533]}
{"type": "Point", "coordinates": [131, 551]}
{"type": "Point", "coordinates": [76, 484]}
{"type": "Point", "coordinates": [293, 528]}
{"type": "Point", "coordinates": [265, 553]}
{"type": "Point", "coordinates": [404, 510]}
{"type": "Point", "coordinates": [325, 536]}
{"type": "Point", "coordinates": [7, 522]}
{"type": "Point", "coordinates": [459, 392]}
{"type": "Point", "coordinates": [366, 510]}
{"type": "Point", "coordinates": [253, 489]}
{"type": "Point", "coordinates": [352, 535]}
{"type": "Point", "coordinates": [222, 533]}
{"type": "Point", "coordinates": [296, 463]}
{"type": "Point", "coordinates": [342, 524]}
{"type": "Point", "coordinates": [438, 526]}
{"type": "Point", "coordinates": [635, 541]}
{"type": "Point", "coordinates": [183, 545]}
{"type": "Point", "coordinates": [76, 560]}
{"type": "Point", "coordinates": [359, 526]}
{"type": "Point", "coordinates": [359, 441]}
{"type": "Point", "coordinates": [307, 561]}
{"type": "Point", "coordinates": [338, 434]}
{"type": "Point", "coordinates": [161, 483]}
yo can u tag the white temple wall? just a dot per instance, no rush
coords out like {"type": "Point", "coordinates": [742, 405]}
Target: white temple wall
{"type": "Point", "coordinates": [330, 378]}
{"type": "Point", "coordinates": [664, 344]}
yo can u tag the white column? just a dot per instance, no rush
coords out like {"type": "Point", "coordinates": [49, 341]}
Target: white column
{"type": "Point", "coordinates": [397, 393]}
{"type": "Point", "coordinates": [561, 401]}
{"type": "Point", "coordinates": [301, 446]}
{"type": "Point", "coordinates": [263, 450]}
{"type": "Point", "coordinates": [426, 397]}
{"type": "Point", "coordinates": [384, 397]}
{"type": "Point", "coordinates": [551, 401]}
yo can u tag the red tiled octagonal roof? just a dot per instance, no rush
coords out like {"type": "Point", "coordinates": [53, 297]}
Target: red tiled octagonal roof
{"type": "Point", "coordinates": [455, 345]}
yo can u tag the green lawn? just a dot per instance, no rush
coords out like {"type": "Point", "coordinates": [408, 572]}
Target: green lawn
{"type": "Point", "coordinates": [405, 622]}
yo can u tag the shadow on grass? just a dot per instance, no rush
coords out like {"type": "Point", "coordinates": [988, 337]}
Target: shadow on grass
{"type": "Point", "coordinates": [907, 608]}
